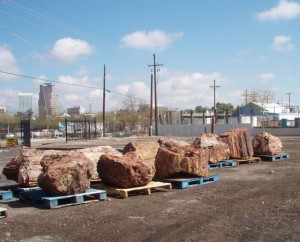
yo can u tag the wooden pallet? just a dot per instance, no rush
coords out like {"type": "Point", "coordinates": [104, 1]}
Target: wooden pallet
{"type": "Point", "coordinates": [223, 164]}
{"type": "Point", "coordinates": [249, 160]}
{"type": "Point", "coordinates": [5, 195]}
{"type": "Point", "coordinates": [3, 213]}
{"type": "Point", "coordinates": [274, 157]}
{"type": "Point", "coordinates": [39, 197]}
{"type": "Point", "coordinates": [181, 183]}
{"type": "Point", "coordinates": [125, 192]}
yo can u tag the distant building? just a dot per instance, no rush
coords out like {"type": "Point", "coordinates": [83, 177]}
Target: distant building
{"type": "Point", "coordinates": [48, 100]}
{"type": "Point", "coordinates": [25, 102]}
{"type": "Point", "coordinates": [75, 110]}
{"type": "Point", "coordinates": [269, 114]}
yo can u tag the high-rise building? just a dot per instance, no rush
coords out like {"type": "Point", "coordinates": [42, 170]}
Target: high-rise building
{"type": "Point", "coordinates": [25, 102]}
{"type": "Point", "coordinates": [48, 100]}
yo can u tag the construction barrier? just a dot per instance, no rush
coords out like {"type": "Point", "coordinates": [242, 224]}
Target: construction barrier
{"type": "Point", "coordinates": [11, 142]}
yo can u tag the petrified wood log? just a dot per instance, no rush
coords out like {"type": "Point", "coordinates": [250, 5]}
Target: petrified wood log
{"type": "Point", "coordinates": [239, 143]}
{"type": "Point", "coordinates": [266, 144]}
{"type": "Point", "coordinates": [94, 154]}
{"type": "Point", "coordinates": [218, 150]}
{"type": "Point", "coordinates": [65, 174]}
{"type": "Point", "coordinates": [30, 165]}
{"type": "Point", "coordinates": [170, 142]}
{"type": "Point", "coordinates": [185, 160]}
{"type": "Point", "coordinates": [11, 169]}
{"type": "Point", "coordinates": [126, 171]}
{"type": "Point", "coordinates": [26, 167]}
{"type": "Point", "coordinates": [144, 150]}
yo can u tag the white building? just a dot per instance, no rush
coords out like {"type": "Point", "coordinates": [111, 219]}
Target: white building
{"type": "Point", "coordinates": [25, 102]}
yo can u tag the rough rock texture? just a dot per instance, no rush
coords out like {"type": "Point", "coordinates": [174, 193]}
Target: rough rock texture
{"type": "Point", "coordinates": [181, 161]}
{"type": "Point", "coordinates": [30, 167]}
{"type": "Point", "coordinates": [170, 142]}
{"type": "Point", "coordinates": [266, 144]}
{"type": "Point", "coordinates": [218, 150]}
{"type": "Point", "coordinates": [65, 174]}
{"type": "Point", "coordinates": [145, 150]}
{"type": "Point", "coordinates": [11, 169]}
{"type": "Point", "coordinates": [94, 154]}
{"type": "Point", "coordinates": [239, 143]}
{"type": "Point", "coordinates": [126, 171]}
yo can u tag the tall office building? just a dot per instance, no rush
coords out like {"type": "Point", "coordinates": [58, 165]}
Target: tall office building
{"type": "Point", "coordinates": [48, 100]}
{"type": "Point", "coordinates": [25, 102]}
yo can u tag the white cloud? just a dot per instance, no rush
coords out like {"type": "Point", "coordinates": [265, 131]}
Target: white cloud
{"type": "Point", "coordinates": [8, 99]}
{"type": "Point", "coordinates": [68, 49]}
{"type": "Point", "coordinates": [266, 77]}
{"type": "Point", "coordinates": [151, 40]}
{"type": "Point", "coordinates": [82, 71]}
{"type": "Point", "coordinates": [282, 43]}
{"type": "Point", "coordinates": [284, 10]}
{"type": "Point", "coordinates": [8, 64]}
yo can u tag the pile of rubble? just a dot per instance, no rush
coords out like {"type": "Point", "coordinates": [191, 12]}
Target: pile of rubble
{"type": "Point", "coordinates": [71, 171]}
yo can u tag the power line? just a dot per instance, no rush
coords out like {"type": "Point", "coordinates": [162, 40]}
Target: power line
{"type": "Point", "coordinates": [30, 43]}
{"type": "Point", "coordinates": [72, 84]}
{"type": "Point", "coordinates": [215, 87]}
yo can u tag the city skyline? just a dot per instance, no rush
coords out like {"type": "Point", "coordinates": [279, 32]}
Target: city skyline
{"type": "Point", "coordinates": [242, 45]}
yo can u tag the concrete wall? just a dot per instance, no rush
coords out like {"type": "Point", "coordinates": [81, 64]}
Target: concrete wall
{"type": "Point", "coordinates": [193, 130]}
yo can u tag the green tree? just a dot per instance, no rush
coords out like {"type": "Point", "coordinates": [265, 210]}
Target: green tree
{"type": "Point", "coordinates": [201, 109]}
{"type": "Point", "coordinates": [222, 107]}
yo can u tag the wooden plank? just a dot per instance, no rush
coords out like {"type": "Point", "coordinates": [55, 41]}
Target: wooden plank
{"type": "Point", "coordinates": [125, 192]}
{"type": "Point", "coordinates": [248, 160]}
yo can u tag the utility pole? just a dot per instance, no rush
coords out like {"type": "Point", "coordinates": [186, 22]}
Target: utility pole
{"type": "Point", "coordinates": [155, 93]}
{"type": "Point", "coordinates": [104, 91]}
{"type": "Point", "coordinates": [289, 93]}
{"type": "Point", "coordinates": [151, 106]}
{"type": "Point", "coordinates": [215, 87]}
{"type": "Point", "coordinates": [246, 97]}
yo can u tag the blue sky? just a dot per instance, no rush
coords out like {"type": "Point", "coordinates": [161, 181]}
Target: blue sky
{"type": "Point", "coordinates": [243, 45]}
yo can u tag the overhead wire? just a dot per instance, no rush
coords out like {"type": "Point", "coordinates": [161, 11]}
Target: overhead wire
{"type": "Point", "coordinates": [62, 25]}
{"type": "Point", "coordinates": [71, 84]}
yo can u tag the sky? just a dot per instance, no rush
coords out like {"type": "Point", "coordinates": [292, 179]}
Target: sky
{"type": "Point", "coordinates": [242, 45]}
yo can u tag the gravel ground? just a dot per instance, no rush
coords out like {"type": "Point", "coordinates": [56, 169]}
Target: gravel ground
{"type": "Point", "coordinates": [253, 202]}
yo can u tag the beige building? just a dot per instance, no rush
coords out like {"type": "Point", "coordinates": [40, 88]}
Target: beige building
{"type": "Point", "coordinates": [48, 100]}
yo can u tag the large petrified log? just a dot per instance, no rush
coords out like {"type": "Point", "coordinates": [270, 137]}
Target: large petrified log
{"type": "Point", "coordinates": [11, 169]}
{"type": "Point", "coordinates": [94, 153]}
{"type": "Point", "coordinates": [170, 142]}
{"type": "Point", "coordinates": [65, 174]}
{"type": "Point", "coordinates": [239, 143]}
{"type": "Point", "coordinates": [266, 144]}
{"type": "Point", "coordinates": [185, 160]}
{"type": "Point", "coordinates": [126, 171]}
{"type": "Point", "coordinates": [30, 165]}
{"type": "Point", "coordinates": [218, 150]}
{"type": "Point", "coordinates": [26, 167]}
{"type": "Point", "coordinates": [145, 150]}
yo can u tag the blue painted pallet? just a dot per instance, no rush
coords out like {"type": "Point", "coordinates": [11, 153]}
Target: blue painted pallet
{"type": "Point", "coordinates": [223, 164]}
{"type": "Point", "coordinates": [274, 157]}
{"type": "Point", "coordinates": [181, 183]}
{"type": "Point", "coordinates": [38, 196]}
{"type": "Point", "coordinates": [5, 195]}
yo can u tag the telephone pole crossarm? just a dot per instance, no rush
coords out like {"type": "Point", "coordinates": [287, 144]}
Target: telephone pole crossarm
{"type": "Point", "coordinates": [215, 87]}
{"type": "Point", "coordinates": [155, 93]}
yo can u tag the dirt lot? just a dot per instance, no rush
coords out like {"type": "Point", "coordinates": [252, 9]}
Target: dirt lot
{"type": "Point", "coordinates": [253, 202]}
